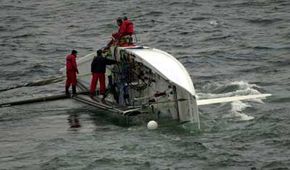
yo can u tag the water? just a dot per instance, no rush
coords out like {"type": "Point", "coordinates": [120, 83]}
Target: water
{"type": "Point", "coordinates": [233, 47]}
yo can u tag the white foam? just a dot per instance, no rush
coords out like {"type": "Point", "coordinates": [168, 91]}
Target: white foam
{"type": "Point", "coordinates": [244, 84]}
{"type": "Point", "coordinates": [244, 88]}
{"type": "Point", "coordinates": [213, 22]}
{"type": "Point", "coordinates": [246, 117]}
{"type": "Point", "coordinates": [236, 111]}
{"type": "Point", "coordinates": [237, 107]}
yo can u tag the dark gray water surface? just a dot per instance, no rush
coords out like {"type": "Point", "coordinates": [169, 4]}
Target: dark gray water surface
{"type": "Point", "coordinates": [235, 47]}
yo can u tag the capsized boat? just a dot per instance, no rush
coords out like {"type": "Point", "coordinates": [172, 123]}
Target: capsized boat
{"type": "Point", "coordinates": [147, 80]}
{"type": "Point", "coordinates": [144, 79]}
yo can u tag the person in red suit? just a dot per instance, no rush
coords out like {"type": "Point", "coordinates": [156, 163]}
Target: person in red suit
{"type": "Point", "coordinates": [124, 35]}
{"type": "Point", "coordinates": [71, 73]}
{"type": "Point", "coordinates": [121, 31]}
{"type": "Point", "coordinates": [117, 35]}
{"type": "Point", "coordinates": [98, 69]}
{"type": "Point", "coordinates": [129, 27]}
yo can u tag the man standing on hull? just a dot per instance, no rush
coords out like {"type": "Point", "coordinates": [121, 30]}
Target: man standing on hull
{"type": "Point", "coordinates": [71, 73]}
{"type": "Point", "coordinates": [98, 69]}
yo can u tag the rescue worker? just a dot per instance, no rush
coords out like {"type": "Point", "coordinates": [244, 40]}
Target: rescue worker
{"type": "Point", "coordinates": [126, 37]}
{"type": "Point", "coordinates": [121, 31]}
{"type": "Point", "coordinates": [129, 27]}
{"type": "Point", "coordinates": [71, 73]}
{"type": "Point", "coordinates": [98, 69]}
{"type": "Point", "coordinates": [117, 35]}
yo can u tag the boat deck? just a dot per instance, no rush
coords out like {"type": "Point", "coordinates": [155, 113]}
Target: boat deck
{"type": "Point", "coordinates": [96, 102]}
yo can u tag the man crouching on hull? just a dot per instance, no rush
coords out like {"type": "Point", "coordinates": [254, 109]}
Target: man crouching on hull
{"type": "Point", "coordinates": [98, 69]}
{"type": "Point", "coordinates": [71, 73]}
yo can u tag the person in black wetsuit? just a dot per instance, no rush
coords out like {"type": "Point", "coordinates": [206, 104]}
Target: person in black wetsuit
{"type": "Point", "coordinates": [98, 69]}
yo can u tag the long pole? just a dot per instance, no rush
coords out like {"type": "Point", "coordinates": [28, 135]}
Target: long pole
{"type": "Point", "coordinates": [34, 100]}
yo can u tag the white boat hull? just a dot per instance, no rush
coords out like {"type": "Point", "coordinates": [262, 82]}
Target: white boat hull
{"type": "Point", "coordinates": [155, 80]}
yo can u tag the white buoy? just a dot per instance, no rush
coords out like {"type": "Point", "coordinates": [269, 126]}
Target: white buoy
{"type": "Point", "coordinates": [152, 125]}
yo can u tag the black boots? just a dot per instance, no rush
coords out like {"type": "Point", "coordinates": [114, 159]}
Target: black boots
{"type": "Point", "coordinates": [67, 91]}
{"type": "Point", "coordinates": [74, 91]}
{"type": "Point", "coordinates": [103, 99]}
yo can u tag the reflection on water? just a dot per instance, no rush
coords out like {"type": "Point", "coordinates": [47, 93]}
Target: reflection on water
{"type": "Point", "coordinates": [73, 121]}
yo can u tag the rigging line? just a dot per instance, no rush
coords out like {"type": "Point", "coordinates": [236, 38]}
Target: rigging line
{"type": "Point", "coordinates": [36, 83]}
{"type": "Point", "coordinates": [30, 110]}
{"type": "Point", "coordinates": [34, 100]}
{"type": "Point", "coordinates": [82, 86]}
{"type": "Point", "coordinates": [37, 99]}
{"type": "Point", "coordinates": [41, 82]}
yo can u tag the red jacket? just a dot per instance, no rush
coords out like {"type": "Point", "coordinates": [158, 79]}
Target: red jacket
{"type": "Point", "coordinates": [121, 32]}
{"type": "Point", "coordinates": [129, 27]}
{"type": "Point", "coordinates": [71, 64]}
{"type": "Point", "coordinates": [126, 28]}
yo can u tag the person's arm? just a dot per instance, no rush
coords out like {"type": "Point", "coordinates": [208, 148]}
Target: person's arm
{"type": "Point", "coordinates": [121, 32]}
{"type": "Point", "coordinates": [74, 64]}
{"type": "Point", "coordinates": [110, 62]}
{"type": "Point", "coordinates": [92, 64]}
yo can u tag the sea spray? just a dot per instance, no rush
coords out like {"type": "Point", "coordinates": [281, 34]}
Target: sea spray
{"type": "Point", "coordinates": [236, 111]}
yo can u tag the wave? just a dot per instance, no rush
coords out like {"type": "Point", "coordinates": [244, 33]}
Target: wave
{"type": "Point", "coordinates": [270, 48]}
{"type": "Point", "coordinates": [230, 89]}
{"type": "Point", "coordinates": [13, 63]}
{"type": "Point", "coordinates": [25, 35]}
{"type": "Point", "coordinates": [217, 37]}
{"type": "Point", "coordinates": [153, 14]}
{"type": "Point", "coordinates": [236, 88]}
{"type": "Point", "coordinates": [237, 108]}
{"type": "Point", "coordinates": [252, 4]}
{"type": "Point", "coordinates": [264, 21]}
{"type": "Point", "coordinates": [14, 7]}
{"type": "Point", "coordinates": [198, 18]}
{"type": "Point", "coordinates": [2, 28]}
{"type": "Point", "coordinates": [285, 99]}
{"type": "Point", "coordinates": [258, 69]}
{"type": "Point", "coordinates": [183, 4]}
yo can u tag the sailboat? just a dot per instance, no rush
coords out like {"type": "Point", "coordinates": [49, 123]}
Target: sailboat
{"type": "Point", "coordinates": [146, 81]}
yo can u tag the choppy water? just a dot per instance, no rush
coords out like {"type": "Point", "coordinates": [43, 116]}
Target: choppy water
{"type": "Point", "coordinates": [229, 47]}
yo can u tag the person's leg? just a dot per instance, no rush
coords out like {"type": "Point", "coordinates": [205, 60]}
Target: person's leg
{"type": "Point", "coordinates": [102, 86]}
{"type": "Point", "coordinates": [102, 83]}
{"type": "Point", "coordinates": [93, 84]}
{"type": "Point", "coordinates": [67, 84]}
{"type": "Point", "coordinates": [74, 82]}
{"type": "Point", "coordinates": [74, 90]}
{"type": "Point", "coordinates": [67, 89]}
